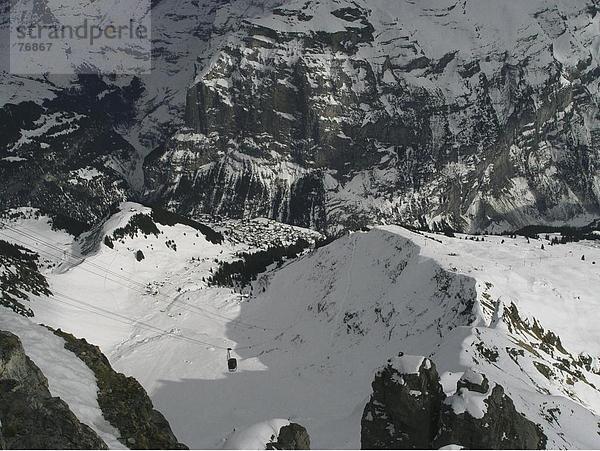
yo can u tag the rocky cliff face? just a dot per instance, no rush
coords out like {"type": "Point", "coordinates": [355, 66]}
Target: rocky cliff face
{"type": "Point", "coordinates": [409, 410]}
{"type": "Point", "coordinates": [338, 114]}
{"type": "Point", "coordinates": [31, 418]}
{"type": "Point", "coordinates": [62, 153]}
{"type": "Point", "coordinates": [124, 402]}
{"type": "Point", "coordinates": [499, 426]}
{"type": "Point", "coordinates": [74, 145]}
{"type": "Point", "coordinates": [325, 114]}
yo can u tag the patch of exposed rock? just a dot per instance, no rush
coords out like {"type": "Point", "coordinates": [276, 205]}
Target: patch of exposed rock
{"type": "Point", "coordinates": [500, 426]}
{"type": "Point", "coordinates": [31, 418]}
{"type": "Point", "coordinates": [124, 402]}
{"type": "Point", "coordinates": [409, 410]}
{"type": "Point", "coordinates": [404, 409]}
{"type": "Point", "coordinates": [20, 277]}
{"type": "Point", "coordinates": [292, 436]}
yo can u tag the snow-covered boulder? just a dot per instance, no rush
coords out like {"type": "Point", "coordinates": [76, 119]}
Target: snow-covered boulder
{"type": "Point", "coordinates": [255, 436]}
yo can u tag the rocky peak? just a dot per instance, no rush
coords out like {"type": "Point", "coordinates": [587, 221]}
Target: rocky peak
{"type": "Point", "coordinates": [409, 410]}
{"type": "Point", "coordinates": [404, 408]}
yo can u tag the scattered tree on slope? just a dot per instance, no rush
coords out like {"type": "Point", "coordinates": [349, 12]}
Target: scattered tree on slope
{"type": "Point", "coordinates": [20, 277]}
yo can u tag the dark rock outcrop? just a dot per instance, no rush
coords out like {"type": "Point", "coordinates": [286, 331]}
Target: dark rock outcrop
{"type": "Point", "coordinates": [31, 418]}
{"type": "Point", "coordinates": [403, 412]}
{"type": "Point", "coordinates": [292, 436]}
{"type": "Point", "coordinates": [124, 402]}
{"type": "Point", "coordinates": [409, 410]}
{"type": "Point", "coordinates": [19, 278]}
{"type": "Point", "coordinates": [501, 427]}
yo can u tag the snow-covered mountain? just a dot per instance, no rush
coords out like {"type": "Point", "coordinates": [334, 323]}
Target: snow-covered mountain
{"type": "Point", "coordinates": [478, 115]}
{"type": "Point", "coordinates": [74, 145]}
{"type": "Point", "coordinates": [329, 114]}
{"type": "Point", "coordinates": [311, 332]}
{"type": "Point", "coordinates": [171, 216]}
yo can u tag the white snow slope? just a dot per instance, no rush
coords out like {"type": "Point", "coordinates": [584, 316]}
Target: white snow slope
{"type": "Point", "coordinates": [311, 336]}
{"type": "Point", "coordinates": [68, 377]}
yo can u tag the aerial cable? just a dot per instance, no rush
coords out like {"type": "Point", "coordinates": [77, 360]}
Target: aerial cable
{"type": "Point", "coordinates": [196, 309]}
{"type": "Point", "coordinates": [136, 322]}
{"type": "Point", "coordinates": [127, 320]}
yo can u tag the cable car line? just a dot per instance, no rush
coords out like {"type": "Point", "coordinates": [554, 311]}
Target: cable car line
{"type": "Point", "coordinates": [196, 309]}
{"type": "Point", "coordinates": [142, 285]}
{"type": "Point", "coordinates": [33, 235]}
{"type": "Point", "coordinates": [126, 320]}
{"type": "Point", "coordinates": [122, 318]}
{"type": "Point", "coordinates": [136, 322]}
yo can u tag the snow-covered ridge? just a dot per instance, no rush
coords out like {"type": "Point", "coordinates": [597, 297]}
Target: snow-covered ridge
{"type": "Point", "coordinates": [65, 394]}
{"type": "Point", "coordinates": [360, 291]}
{"type": "Point", "coordinates": [311, 334]}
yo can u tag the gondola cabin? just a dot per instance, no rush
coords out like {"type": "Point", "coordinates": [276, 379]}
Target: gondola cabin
{"type": "Point", "coordinates": [231, 362]}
